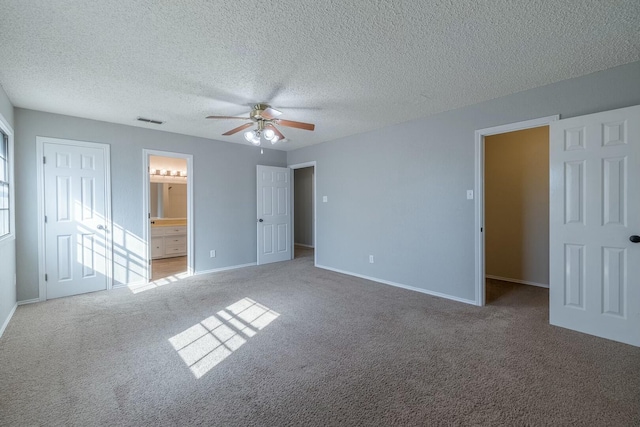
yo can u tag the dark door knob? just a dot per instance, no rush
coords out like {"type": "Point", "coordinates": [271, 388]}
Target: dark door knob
{"type": "Point", "coordinates": [635, 239]}
{"type": "Point", "coordinates": [263, 220]}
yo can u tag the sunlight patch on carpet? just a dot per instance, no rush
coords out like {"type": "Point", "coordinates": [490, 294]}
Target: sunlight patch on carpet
{"type": "Point", "coordinates": [209, 342]}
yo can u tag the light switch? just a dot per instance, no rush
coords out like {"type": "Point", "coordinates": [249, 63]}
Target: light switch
{"type": "Point", "coordinates": [324, 199]}
{"type": "Point", "coordinates": [469, 194]}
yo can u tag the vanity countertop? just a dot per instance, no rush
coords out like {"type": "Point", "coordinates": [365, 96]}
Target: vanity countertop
{"type": "Point", "coordinates": [168, 222]}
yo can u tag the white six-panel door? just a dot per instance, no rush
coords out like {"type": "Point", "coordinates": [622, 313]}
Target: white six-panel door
{"type": "Point", "coordinates": [595, 209]}
{"type": "Point", "coordinates": [274, 214]}
{"type": "Point", "coordinates": [76, 225]}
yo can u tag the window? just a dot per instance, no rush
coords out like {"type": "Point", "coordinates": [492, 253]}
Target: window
{"type": "Point", "coordinates": [5, 212]}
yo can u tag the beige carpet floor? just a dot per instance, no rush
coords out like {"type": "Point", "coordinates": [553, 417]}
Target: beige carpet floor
{"type": "Point", "coordinates": [289, 344]}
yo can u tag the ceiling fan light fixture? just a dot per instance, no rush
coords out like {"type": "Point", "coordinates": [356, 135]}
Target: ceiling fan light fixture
{"type": "Point", "coordinates": [250, 135]}
{"type": "Point", "coordinates": [264, 118]}
{"type": "Point", "coordinates": [256, 138]}
{"type": "Point", "coordinates": [269, 134]}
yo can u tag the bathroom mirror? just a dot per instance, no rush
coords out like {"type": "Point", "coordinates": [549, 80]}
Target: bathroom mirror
{"type": "Point", "coordinates": [168, 200]}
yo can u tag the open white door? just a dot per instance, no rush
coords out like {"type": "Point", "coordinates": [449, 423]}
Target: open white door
{"type": "Point", "coordinates": [76, 218]}
{"type": "Point", "coordinates": [274, 214]}
{"type": "Point", "coordinates": [595, 216]}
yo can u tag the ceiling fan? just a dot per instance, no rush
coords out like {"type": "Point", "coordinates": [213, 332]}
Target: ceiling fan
{"type": "Point", "coordinates": [265, 118]}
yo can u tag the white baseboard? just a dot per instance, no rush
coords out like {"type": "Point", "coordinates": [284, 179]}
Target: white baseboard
{"type": "Point", "coordinates": [522, 282]}
{"type": "Point", "coordinates": [6, 322]}
{"type": "Point", "coordinates": [303, 245]}
{"type": "Point", "coordinates": [29, 301]}
{"type": "Point", "coordinates": [216, 270]}
{"type": "Point", "coordinates": [400, 285]}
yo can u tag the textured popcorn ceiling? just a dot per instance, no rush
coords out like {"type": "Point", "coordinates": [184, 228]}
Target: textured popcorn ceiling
{"type": "Point", "coordinates": [347, 66]}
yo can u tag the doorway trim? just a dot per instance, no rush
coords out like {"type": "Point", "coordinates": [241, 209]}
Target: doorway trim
{"type": "Point", "coordinates": [106, 148]}
{"type": "Point", "coordinates": [479, 193]}
{"type": "Point", "coordinates": [146, 208]}
{"type": "Point", "coordinates": [315, 208]}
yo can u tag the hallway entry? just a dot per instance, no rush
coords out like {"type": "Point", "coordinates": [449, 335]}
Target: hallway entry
{"type": "Point", "coordinates": [303, 218]}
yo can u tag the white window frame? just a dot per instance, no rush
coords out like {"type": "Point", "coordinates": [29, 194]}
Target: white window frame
{"type": "Point", "coordinates": [7, 130]}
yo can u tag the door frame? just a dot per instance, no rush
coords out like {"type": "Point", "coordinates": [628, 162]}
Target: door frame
{"type": "Point", "coordinates": [106, 148]}
{"type": "Point", "coordinates": [315, 208]}
{"type": "Point", "coordinates": [146, 208]}
{"type": "Point", "coordinates": [479, 193]}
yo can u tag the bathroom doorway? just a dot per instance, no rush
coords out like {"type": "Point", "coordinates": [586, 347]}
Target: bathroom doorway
{"type": "Point", "coordinates": [304, 210]}
{"type": "Point", "coordinates": [169, 216]}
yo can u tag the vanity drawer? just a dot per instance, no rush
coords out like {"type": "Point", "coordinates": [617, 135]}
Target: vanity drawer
{"type": "Point", "coordinates": [177, 229]}
{"type": "Point", "coordinates": [170, 250]}
{"type": "Point", "coordinates": [157, 231]}
{"type": "Point", "coordinates": [175, 240]}
{"type": "Point", "coordinates": [157, 247]}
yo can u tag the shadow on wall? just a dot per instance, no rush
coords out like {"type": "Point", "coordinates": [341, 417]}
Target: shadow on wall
{"type": "Point", "coordinates": [129, 251]}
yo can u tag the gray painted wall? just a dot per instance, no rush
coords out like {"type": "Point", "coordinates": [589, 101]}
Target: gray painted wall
{"type": "Point", "coordinates": [224, 191]}
{"type": "Point", "coordinates": [7, 246]}
{"type": "Point", "coordinates": [303, 206]}
{"type": "Point", "coordinates": [399, 193]}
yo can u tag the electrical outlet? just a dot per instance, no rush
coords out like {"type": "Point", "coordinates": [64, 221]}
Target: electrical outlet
{"type": "Point", "coordinates": [370, 259]}
{"type": "Point", "coordinates": [469, 194]}
{"type": "Point", "coordinates": [212, 253]}
{"type": "Point", "coordinates": [325, 199]}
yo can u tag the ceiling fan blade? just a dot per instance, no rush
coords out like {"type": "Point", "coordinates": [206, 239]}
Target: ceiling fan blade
{"type": "Point", "coordinates": [228, 117]}
{"type": "Point", "coordinates": [276, 131]}
{"type": "Point", "coordinates": [299, 125]}
{"type": "Point", "coordinates": [238, 129]}
{"type": "Point", "coordinates": [270, 113]}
